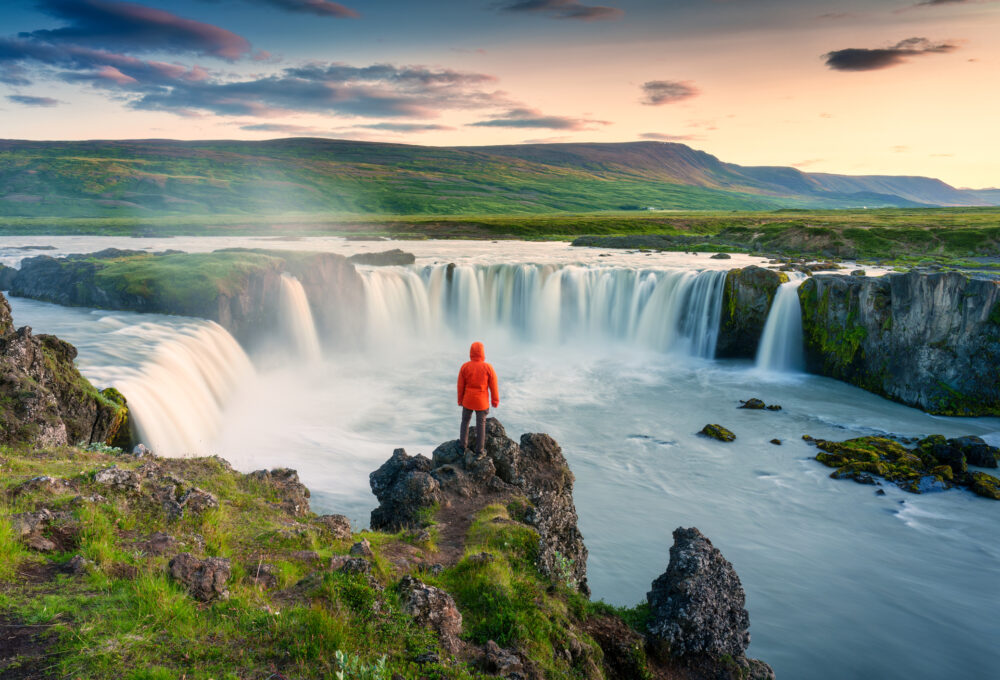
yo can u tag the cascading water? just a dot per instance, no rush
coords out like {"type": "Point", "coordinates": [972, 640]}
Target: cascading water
{"type": "Point", "coordinates": [176, 399]}
{"type": "Point", "coordinates": [298, 319]}
{"type": "Point", "coordinates": [780, 348]}
{"type": "Point", "coordinates": [661, 310]}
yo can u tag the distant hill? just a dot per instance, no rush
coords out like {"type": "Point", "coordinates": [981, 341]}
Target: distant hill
{"type": "Point", "coordinates": [304, 175]}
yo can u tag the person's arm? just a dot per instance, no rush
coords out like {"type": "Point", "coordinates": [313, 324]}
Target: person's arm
{"type": "Point", "coordinates": [461, 385]}
{"type": "Point", "coordinates": [494, 392]}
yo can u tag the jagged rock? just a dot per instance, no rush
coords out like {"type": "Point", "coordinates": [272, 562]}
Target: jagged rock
{"type": "Point", "coordinates": [205, 579]}
{"type": "Point", "coordinates": [293, 494]}
{"type": "Point", "coordinates": [118, 479]}
{"type": "Point", "coordinates": [383, 259]}
{"type": "Point", "coordinates": [407, 486]}
{"type": "Point", "coordinates": [433, 608]}
{"type": "Point", "coordinates": [356, 565]}
{"type": "Point", "coordinates": [976, 451]}
{"type": "Point", "coordinates": [500, 661]}
{"type": "Point", "coordinates": [158, 543]}
{"type": "Point", "coordinates": [753, 404]}
{"type": "Point", "coordinates": [29, 528]}
{"type": "Point", "coordinates": [922, 339]}
{"type": "Point", "coordinates": [198, 501]}
{"type": "Point", "coordinates": [338, 525]}
{"type": "Point", "coordinates": [362, 549]}
{"type": "Point", "coordinates": [717, 432]}
{"type": "Point", "coordinates": [51, 486]}
{"type": "Point", "coordinates": [746, 301]}
{"type": "Point", "coordinates": [697, 607]}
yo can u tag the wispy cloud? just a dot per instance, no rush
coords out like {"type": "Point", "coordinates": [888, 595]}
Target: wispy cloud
{"type": "Point", "coordinates": [660, 137]}
{"type": "Point", "coordinates": [564, 9]}
{"type": "Point", "coordinates": [406, 127]}
{"type": "Point", "coordinates": [323, 8]}
{"type": "Point", "coordinates": [108, 24]}
{"type": "Point", "coordinates": [864, 59]}
{"type": "Point", "coordinates": [659, 92]}
{"type": "Point", "coordinates": [532, 118]}
{"type": "Point", "coordinates": [29, 100]}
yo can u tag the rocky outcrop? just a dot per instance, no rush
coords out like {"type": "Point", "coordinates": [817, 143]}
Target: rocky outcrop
{"type": "Point", "coordinates": [926, 340]}
{"type": "Point", "coordinates": [43, 398]}
{"type": "Point", "coordinates": [385, 258]}
{"type": "Point", "coordinates": [407, 487]}
{"type": "Point", "coordinates": [746, 301]}
{"type": "Point", "coordinates": [238, 288]}
{"type": "Point", "coordinates": [697, 611]}
{"type": "Point", "coordinates": [205, 579]}
{"type": "Point", "coordinates": [433, 608]}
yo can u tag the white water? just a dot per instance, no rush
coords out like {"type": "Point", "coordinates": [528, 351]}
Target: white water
{"type": "Point", "coordinates": [780, 348]}
{"type": "Point", "coordinates": [298, 319]}
{"type": "Point", "coordinates": [907, 583]}
{"type": "Point", "coordinates": [667, 311]}
{"type": "Point", "coordinates": [177, 397]}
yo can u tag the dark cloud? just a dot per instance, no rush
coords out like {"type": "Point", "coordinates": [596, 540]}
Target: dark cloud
{"type": "Point", "coordinates": [660, 137]}
{"type": "Point", "coordinates": [564, 9]}
{"type": "Point", "coordinates": [323, 8]}
{"type": "Point", "coordinates": [659, 92]}
{"type": "Point", "coordinates": [863, 59]}
{"type": "Point", "coordinates": [531, 118]}
{"type": "Point", "coordinates": [28, 100]}
{"type": "Point", "coordinates": [108, 24]}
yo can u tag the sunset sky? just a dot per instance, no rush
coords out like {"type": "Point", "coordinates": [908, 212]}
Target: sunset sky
{"type": "Point", "coordinates": [874, 87]}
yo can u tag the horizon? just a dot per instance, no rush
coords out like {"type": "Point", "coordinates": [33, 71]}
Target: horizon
{"type": "Point", "coordinates": [886, 88]}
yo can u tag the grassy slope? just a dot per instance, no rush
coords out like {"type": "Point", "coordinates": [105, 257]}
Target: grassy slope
{"type": "Point", "coordinates": [126, 618]}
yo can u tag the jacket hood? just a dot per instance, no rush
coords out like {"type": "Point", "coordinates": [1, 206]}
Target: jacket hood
{"type": "Point", "coordinates": [477, 352]}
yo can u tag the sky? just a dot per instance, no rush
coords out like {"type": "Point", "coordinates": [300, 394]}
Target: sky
{"type": "Point", "coordinates": [902, 87]}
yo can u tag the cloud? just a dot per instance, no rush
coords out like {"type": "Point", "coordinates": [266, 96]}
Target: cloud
{"type": "Point", "coordinates": [807, 163]}
{"type": "Point", "coordinates": [109, 24]}
{"type": "Point", "coordinates": [564, 9]}
{"type": "Point", "coordinates": [659, 92]}
{"type": "Point", "coordinates": [282, 128]}
{"type": "Point", "coordinates": [532, 118]}
{"type": "Point", "coordinates": [406, 127]}
{"type": "Point", "coordinates": [323, 8]}
{"type": "Point", "coordinates": [660, 137]}
{"type": "Point", "coordinates": [863, 59]}
{"type": "Point", "coordinates": [28, 100]}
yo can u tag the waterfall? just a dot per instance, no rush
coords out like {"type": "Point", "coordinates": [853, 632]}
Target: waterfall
{"type": "Point", "coordinates": [298, 318]}
{"type": "Point", "coordinates": [661, 310]}
{"type": "Point", "coordinates": [781, 343]}
{"type": "Point", "coordinates": [177, 398]}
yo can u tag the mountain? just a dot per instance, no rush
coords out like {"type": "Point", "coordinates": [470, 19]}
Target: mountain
{"type": "Point", "coordinates": [303, 175]}
{"type": "Point", "coordinates": [991, 196]}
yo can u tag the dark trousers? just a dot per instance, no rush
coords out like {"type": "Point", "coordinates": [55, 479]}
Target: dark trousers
{"type": "Point", "coordinates": [480, 429]}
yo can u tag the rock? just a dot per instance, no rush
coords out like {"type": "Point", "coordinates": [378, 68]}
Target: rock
{"type": "Point", "coordinates": [78, 566]}
{"type": "Point", "coordinates": [407, 486]}
{"type": "Point", "coordinates": [746, 300]}
{"type": "Point", "coordinates": [773, 407]}
{"type": "Point", "coordinates": [205, 579]}
{"type": "Point", "coordinates": [481, 558]}
{"type": "Point", "coordinates": [158, 543]}
{"type": "Point", "coordinates": [304, 555]}
{"type": "Point", "coordinates": [721, 256]}
{"type": "Point", "coordinates": [985, 485]}
{"type": "Point", "coordinates": [118, 479]}
{"type": "Point", "coordinates": [285, 483]}
{"type": "Point", "coordinates": [754, 404]}
{"type": "Point", "coordinates": [697, 607]}
{"type": "Point", "coordinates": [198, 501]}
{"type": "Point", "coordinates": [776, 442]}
{"type": "Point", "coordinates": [51, 486]}
{"type": "Point", "coordinates": [140, 451]}
{"type": "Point", "coordinates": [29, 528]}
{"type": "Point", "coordinates": [500, 661]}
{"type": "Point", "coordinates": [880, 492]}
{"type": "Point", "coordinates": [263, 575]}
{"type": "Point", "coordinates": [717, 432]}
{"type": "Point", "coordinates": [356, 565]}
{"type": "Point", "coordinates": [338, 525]}
{"type": "Point", "coordinates": [433, 608]}
{"type": "Point", "coordinates": [362, 549]}
{"type": "Point", "coordinates": [921, 339]}
{"type": "Point", "coordinates": [858, 272]}
{"type": "Point", "coordinates": [384, 258]}
{"type": "Point", "coordinates": [976, 451]}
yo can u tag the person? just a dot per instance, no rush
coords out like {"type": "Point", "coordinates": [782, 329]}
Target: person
{"type": "Point", "coordinates": [477, 391]}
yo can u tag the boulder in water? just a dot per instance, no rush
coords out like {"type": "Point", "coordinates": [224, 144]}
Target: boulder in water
{"type": "Point", "coordinates": [746, 300]}
{"type": "Point", "coordinates": [753, 404]}
{"type": "Point", "coordinates": [717, 432]}
{"type": "Point", "coordinates": [976, 451]}
{"type": "Point", "coordinates": [722, 256]}
{"type": "Point", "coordinates": [386, 258]}
{"type": "Point", "coordinates": [985, 485]}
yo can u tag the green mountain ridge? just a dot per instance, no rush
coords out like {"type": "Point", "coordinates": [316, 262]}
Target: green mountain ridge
{"type": "Point", "coordinates": [154, 177]}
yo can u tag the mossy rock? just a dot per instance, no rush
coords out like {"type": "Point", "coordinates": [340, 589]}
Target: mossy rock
{"type": "Point", "coordinates": [717, 432]}
{"type": "Point", "coordinates": [985, 485]}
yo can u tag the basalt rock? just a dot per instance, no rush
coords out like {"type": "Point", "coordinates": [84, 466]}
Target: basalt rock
{"type": "Point", "coordinates": [44, 400]}
{"type": "Point", "coordinates": [407, 487]}
{"type": "Point", "coordinates": [205, 579]}
{"type": "Point", "coordinates": [383, 259]}
{"type": "Point", "coordinates": [339, 526]}
{"type": "Point", "coordinates": [433, 608]}
{"type": "Point", "coordinates": [698, 616]}
{"type": "Point", "coordinates": [715, 431]}
{"type": "Point", "coordinates": [292, 495]}
{"type": "Point", "coordinates": [746, 301]}
{"type": "Point", "coordinates": [930, 340]}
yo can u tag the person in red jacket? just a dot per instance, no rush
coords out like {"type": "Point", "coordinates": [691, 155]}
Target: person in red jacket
{"type": "Point", "coordinates": [477, 390]}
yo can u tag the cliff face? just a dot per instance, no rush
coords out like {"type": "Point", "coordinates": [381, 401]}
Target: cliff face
{"type": "Point", "coordinates": [238, 288]}
{"type": "Point", "coordinates": [43, 398]}
{"type": "Point", "coordinates": [926, 340]}
{"type": "Point", "coordinates": [746, 301]}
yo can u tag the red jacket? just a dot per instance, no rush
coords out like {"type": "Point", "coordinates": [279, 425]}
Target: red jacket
{"type": "Point", "coordinates": [477, 381]}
